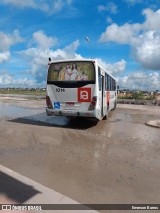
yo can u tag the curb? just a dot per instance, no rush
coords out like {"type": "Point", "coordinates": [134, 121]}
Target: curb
{"type": "Point", "coordinates": [153, 123]}
{"type": "Point", "coordinates": [22, 190]}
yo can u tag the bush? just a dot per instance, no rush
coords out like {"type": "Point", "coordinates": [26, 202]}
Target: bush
{"type": "Point", "coordinates": [138, 96]}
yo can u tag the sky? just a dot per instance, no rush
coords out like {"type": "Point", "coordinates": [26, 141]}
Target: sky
{"type": "Point", "coordinates": [123, 36]}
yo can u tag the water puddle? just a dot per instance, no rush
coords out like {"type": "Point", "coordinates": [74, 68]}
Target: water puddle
{"type": "Point", "coordinates": [10, 111]}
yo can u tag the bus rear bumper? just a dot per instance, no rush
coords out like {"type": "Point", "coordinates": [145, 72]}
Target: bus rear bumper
{"type": "Point", "coordinates": [70, 113]}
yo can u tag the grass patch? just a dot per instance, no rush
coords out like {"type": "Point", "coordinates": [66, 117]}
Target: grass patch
{"type": "Point", "coordinates": [23, 92]}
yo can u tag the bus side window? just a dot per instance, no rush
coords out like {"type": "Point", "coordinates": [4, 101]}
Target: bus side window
{"type": "Point", "coordinates": [111, 86]}
{"type": "Point", "coordinates": [99, 79]}
{"type": "Point", "coordinates": [105, 81]}
{"type": "Point", "coordinates": [114, 85]}
{"type": "Point", "coordinates": [108, 82]}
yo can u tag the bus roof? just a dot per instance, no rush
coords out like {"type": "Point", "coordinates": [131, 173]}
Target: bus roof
{"type": "Point", "coordinates": [70, 60]}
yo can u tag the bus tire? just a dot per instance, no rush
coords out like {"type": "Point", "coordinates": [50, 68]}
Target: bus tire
{"type": "Point", "coordinates": [115, 105]}
{"type": "Point", "coordinates": [105, 117]}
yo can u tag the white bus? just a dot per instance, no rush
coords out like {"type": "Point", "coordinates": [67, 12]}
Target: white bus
{"type": "Point", "coordinates": [80, 88]}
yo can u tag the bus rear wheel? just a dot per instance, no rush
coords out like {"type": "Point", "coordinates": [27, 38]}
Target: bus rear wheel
{"type": "Point", "coordinates": [105, 117]}
{"type": "Point", "coordinates": [115, 105]}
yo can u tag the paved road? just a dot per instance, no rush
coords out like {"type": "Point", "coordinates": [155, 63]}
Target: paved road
{"type": "Point", "coordinates": [114, 161]}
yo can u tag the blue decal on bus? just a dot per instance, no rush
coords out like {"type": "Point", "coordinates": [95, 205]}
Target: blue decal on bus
{"type": "Point", "coordinates": [57, 105]}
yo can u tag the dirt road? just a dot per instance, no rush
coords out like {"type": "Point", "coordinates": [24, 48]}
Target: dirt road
{"type": "Point", "coordinates": [114, 161]}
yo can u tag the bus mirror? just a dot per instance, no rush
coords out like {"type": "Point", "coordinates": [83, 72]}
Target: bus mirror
{"type": "Point", "coordinates": [117, 86]}
{"type": "Point", "coordinates": [49, 61]}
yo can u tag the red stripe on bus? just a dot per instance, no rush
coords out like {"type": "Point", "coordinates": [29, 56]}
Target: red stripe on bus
{"type": "Point", "coordinates": [108, 97]}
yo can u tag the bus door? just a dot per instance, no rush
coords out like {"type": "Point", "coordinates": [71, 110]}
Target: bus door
{"type": "Point", "coordinates": [102, 95]}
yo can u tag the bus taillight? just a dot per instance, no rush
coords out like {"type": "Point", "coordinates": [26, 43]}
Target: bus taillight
{"type": "Point", "coordinates": [93, 103]}
{"type": "Point", "coordinates": [48, 102]}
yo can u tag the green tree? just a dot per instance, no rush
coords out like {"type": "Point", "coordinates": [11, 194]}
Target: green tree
{"type": "Point", "coordinates": [138, 96]}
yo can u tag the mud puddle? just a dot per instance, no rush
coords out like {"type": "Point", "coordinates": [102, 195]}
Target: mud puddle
{"type": "Point", "coordinates": [10, 111]}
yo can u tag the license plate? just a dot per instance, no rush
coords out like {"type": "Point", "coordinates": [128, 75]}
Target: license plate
{"type": "Point", "coordinates": [69, 103]}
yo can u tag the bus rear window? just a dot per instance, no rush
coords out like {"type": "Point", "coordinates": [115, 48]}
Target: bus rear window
{"type": "Point", "coordinates": [71, 71]}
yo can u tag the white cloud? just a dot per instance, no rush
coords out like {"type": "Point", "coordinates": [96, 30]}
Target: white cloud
{"type": "Point", "coordinates": [47, 6]}
{"type": "Point", "coordinates": [115, 68]}
{"type": "Point", "coordinates": [38, 57]}
{"type": "Point", "coordinates": [43, 41]}
{"type": "Point", "coordinates": [101, 8]}
{"type": "Point", "coordinates": [69, 52]}
{"type": "Point", "coordinates": [128, 33]}
{"type": "Point", "coordinates": [24, 82]}
{"type": "Point", "coordinates": [109, 19]}
{"type": "Point", "coordinates": [140, 81]}
{"type": "Point", "coordinates": [110, 7]}
{"type": "Point", "coordinates": [144, 38]}
{"type": "Point", "coordinates": [4, 56]}
{"type": "Point", "coordinates": [147, 50]}
{"type": "Point", "coordinates": [19, 3]}
{"type": "Point", "coordinates": [7, 40]}
{"type": "Point", "coordinates": [7, 80]}
{"type": "Point", "coordinates": [132, 2]}
{"type": "Point", "coordinates": [147, 3]}
{"type": "Point", "coordinates": [152, 19]}
{"type": "Point", "coordinates": [120, 34]}
{"type": "Point", "coordinates": [43, 50]}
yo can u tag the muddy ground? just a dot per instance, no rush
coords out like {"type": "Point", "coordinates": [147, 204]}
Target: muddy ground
{"type": "Point", "coordinates": [113, 161]}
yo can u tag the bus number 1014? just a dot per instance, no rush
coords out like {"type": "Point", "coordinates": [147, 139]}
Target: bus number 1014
{"type": "Point", "coordinates": [60, 90]}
